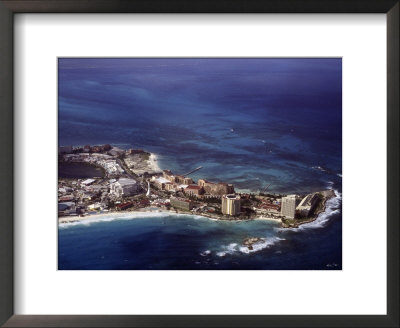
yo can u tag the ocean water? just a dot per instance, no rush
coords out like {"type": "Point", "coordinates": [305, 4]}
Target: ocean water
{"type": "Point", "coordinates": [79, 170]}
{"type": "Point", "coordinates": [163, 241]}
{"type": "Point", "coordinates": [251, 122]}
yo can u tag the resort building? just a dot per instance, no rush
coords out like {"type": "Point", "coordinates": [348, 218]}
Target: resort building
{"type": "Point", "coordinates": [124, 187]}
{"type": "Point", "coordinates": [307, 205]}
{"type": "Point", "coordinates": [87, 182]}
{"type": "Point", "coordinates": [216, 189]}
{"type": "Point", "coordinates": [268, 209]}
{"type": "Point", "coordinates": [167, 174]}
{"type": "Point", "coordinates": [123, 206]}
{"type": "Point", "coordinates": [170, 186]}
{"type": "Point", "coordinates": [160, 182]}
{"type": "Point", "coordinates": [66, 208]}
{"type": "Point", "coordinates": [181, 203]}
{"type": "Point", "coordinates": [194, 190]}
{"type": "Point", "coordinates": [230, 204]}
{"type": "Point", "coordinates": [95, 206]}
{"type": "Point", "coordinates": [180, 179]}
{"type": "Point", "coordinates": [288, 206]}
{"type": "Point", "coordinates": [183, 180]}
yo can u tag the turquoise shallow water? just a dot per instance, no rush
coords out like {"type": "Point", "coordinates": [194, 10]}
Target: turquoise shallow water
{"type": "Point", "coordinates": [251, 122]}
{"type": "Point", "coordinates": [161, 241]}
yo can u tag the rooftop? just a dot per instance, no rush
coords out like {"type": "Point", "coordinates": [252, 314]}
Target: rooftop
{"type": "Point", "coordinates": [126, 181]}
{"type": "Point", "coordinates": [232, 196]}
{"type": "Point", "coordinates": [88, 181]}
{"type": "Point", "coordinates": [162, 180]}
{"type": "Point", "coordinates": [193, 187]}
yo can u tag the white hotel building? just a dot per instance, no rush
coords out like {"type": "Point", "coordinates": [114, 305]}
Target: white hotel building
{"type": "Point", "coordinates": [124, 187]}
{"type": "Point", "coordinates": [288, 206]}
{"type": "Point", "coordinates": [230, 204]}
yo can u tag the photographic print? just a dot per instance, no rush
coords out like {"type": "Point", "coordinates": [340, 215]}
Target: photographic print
{"type": "Point", "coordinates": [199, 164]}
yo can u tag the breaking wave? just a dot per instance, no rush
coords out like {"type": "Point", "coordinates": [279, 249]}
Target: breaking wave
{"type": "Point", "coordinates": [332, 208]}
{"type": "Point", "coordinates": [230, 249]}
{"type": "Point", "coordinates": [234, 248]}
{"type": "Point", "coordinates": [123, 216]}
{"type": "Point", "coordinates": [205, 253]}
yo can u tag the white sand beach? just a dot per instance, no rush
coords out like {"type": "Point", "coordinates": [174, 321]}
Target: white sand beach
{"type": "Point", "coordinates": [153, 163]}
{"type": "Point", "coordinates": [115, 214]}
{"type": "Point", "coordinates": [265, 218]}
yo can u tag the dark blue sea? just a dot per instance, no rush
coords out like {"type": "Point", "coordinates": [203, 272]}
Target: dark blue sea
{"type": "Point", "coordinates": [251, 122]}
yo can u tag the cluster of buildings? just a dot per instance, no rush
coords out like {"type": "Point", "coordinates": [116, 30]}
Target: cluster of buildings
{"type": "Point", "coordinates": [79, 196]}
{"type": "Point", "coordinates": [269, 208]}
{"type": "Point", "coordinates": [216, 189]}
{"type": "Point", "coordinates": [111, 166]}
{"type": "Point", "coordinates": [307, 205]}
{"type": "Point", "coordinates": [230, 203]}
{"type": "Point", "coordinates": [93, 195]}
{"type": "Point", "coordinates": [125, 187]}
{"type": "Point", "coordinates": [182, 203]}
{"type": "Point", "coordinates": [119, 191]}
{"type": "Point", "coordinates": [84, 149]}
{"type": "Point", "coordinates": [136, 204]}
{"type": "Point", "coordinates": [203, 189]}
{"type": "Point", "coordinates": [107, 162]}
{"type": "Point", "coordinates": [115, 191]}
{"type": "Point", "coordinates": [294, 207]}
{"type": "Point", "coordinates": [288, 207]}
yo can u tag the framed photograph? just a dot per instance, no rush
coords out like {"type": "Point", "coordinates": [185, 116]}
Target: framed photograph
{"type": "Point", "coordinates": [199, 164]}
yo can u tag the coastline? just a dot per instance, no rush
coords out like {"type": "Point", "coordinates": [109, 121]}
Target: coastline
{"type": "Point", "coordinates": [265, 218]}
{"type": "Point", "coordinates": [148, 210]}
{"type": "Point", "coordinates": [152, 210]}
{"type": "Point", "coordinates": [332, 195]}
{"type": "Point", "coordinates": [72, 219]}
{"type": "Point", "coordinates": [145, 210]}
{"type": "Point", "coordinates": [153, 163]}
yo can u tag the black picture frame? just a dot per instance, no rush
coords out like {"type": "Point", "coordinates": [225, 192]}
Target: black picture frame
{"type": "Point", "coordinates": [10, 7]}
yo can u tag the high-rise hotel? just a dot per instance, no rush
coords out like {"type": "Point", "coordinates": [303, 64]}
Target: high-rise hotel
{"type": "Point", "coordinates": [288, 206]}
{"type": "Point", "coordinates": [230, 204]}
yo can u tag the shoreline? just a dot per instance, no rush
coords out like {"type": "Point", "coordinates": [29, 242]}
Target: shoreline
{"type": "Point", "coordinates": [72, 219]}
{"type": "Point", "coordinates": [153, 163]}
{"type": "Point", "coordinates": [316, 216]}
{"type": "Point", "coordinates": [149, 210]}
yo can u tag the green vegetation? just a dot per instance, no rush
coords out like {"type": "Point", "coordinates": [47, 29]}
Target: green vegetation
{"type": "Point", "coordinates": [144, 156]}
{"type": "Point", "coordinates": [248, 212]}
{"type": "Point", "coordinates": [270, 195]}
{"type": "Point", "coordinates": [245, 202]}
{"type": "Point", "coordinates": [213, 200]}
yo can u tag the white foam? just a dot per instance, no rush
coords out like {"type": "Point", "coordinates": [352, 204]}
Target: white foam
{"type": "Point", "coordinates": [153, 161]}
{"type": "Point", "coordinates": [125, 216]}
{"type": "Point", "coordinates": [332, 207]}
{"type": "Point", "coordinates": [229, 249]}
{"type": "Point", "coordinates": [320, 168]}
{"type": "Point", "coordinates": [258, 246]}
{"type": "Point", "coordinates": [205, 253]}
